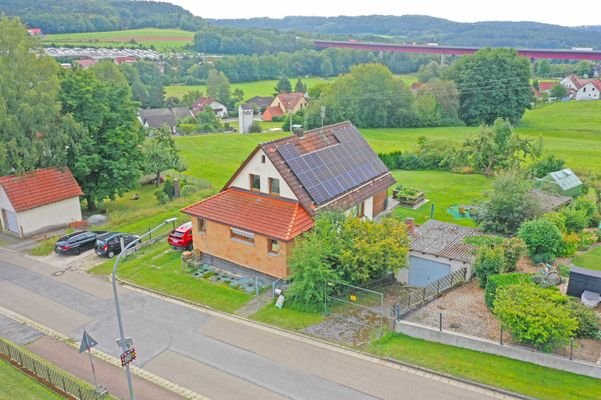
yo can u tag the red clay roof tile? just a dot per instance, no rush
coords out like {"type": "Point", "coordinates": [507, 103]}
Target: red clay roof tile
{"type": "Point", "coordinates": [261, 214]}
{"type": "Point", "coordinates": [40, 187]}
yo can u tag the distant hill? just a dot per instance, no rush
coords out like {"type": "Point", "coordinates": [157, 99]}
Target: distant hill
{"type": "Point", "coordinates": [70, 16]}
{"type": "Point", "coordinates": [424, 29]}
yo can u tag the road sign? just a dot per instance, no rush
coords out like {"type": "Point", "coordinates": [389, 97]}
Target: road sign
{"type": "Point", "coordinates": [86, 342]}
{"type": "Point", "coordinates": [128, 356]}
{"type": "Point", "coordinates": [125, 343]}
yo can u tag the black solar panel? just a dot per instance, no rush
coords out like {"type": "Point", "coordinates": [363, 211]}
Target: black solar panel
{"type": "Point", "coordinates": [329, 172]}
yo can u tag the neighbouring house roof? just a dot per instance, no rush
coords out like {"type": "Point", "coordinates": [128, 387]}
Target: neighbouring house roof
{"type": "Point", "coordinates": [125, 59]}
{"type": "Point", "coordinates": [38, 188]}
{"type": "Point", "coordinates": [544, 86]}
{"type": "Point", "coordinates": [160, 117]}
{"type": "Point", "coordinates": [328, 168]}
{"type": "Point", "coordinates": [271, 112]}
{"type": "Point", "coordinates": [581, 82]}
{"type": "Point", "coordinates": [548, 202]}
{"type": "Point", "coordinates": [442, 239]}
{"type": "Point", "coordinates": [86, 63]}
{"type": "Point", "coordinates": [290, 100]}
{"type": "Point", "coordinates": [259, 213]}
{"type": "Point", "coordinates": [259, 101]}
{"type": "Point", "coordinates": [34, 31]}
{"type": "Point", "coordinates": [566, 179]}
{"type": "Point", "coordinates": [202, 102]}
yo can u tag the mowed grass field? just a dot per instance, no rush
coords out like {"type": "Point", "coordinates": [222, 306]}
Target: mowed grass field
{"type": "Point", "coordinates": [250, 89]}
{"type": "Point", "coordinates": [161, 39]}
{"type": "Point", "coordinates": [15, 384]}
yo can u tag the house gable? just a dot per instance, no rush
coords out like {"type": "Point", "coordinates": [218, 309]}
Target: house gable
{"type": "Point", "coordinates": [259, 164]}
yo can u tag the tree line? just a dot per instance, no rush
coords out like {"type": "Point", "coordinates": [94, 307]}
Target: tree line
{"type": "Point", "coordinates": [66, 16]}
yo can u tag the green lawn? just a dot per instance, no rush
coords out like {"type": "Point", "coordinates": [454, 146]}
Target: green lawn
{"type": "Point", "coordinates": [216, 157]}
{"type": "Point", "coordinates": [160, 268]}
{"type": "Point", "coordinates": [517, 376]}
{"type": "Point", "coordinates": [287, 318]}
{"type": "Point", "coordinates": [589, 260]}
{"type": "Point", "coordinates": [15, 384]}
{"type": "Point", "coordinates": [161, 39]}
{"type": "Point", "coordinates": [570, 130]}
{"type": "Point", "coordinates": [250, 89]}
{"type": "Point", "coordinates": [443, 189]}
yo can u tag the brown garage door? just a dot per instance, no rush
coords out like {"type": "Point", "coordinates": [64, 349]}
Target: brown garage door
{"type": "Point", "coordinates": [380, 202]}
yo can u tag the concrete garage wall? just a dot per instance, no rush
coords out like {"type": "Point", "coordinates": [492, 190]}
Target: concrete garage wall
{"type": "Point", "coordinates": [50, 216]}
{"type": "Point", "coordinates": [487, 346]}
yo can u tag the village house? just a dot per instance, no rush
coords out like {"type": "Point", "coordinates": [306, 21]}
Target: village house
{"type": "Point", "coordinates": [35, 32]}
{"type": "Point", "coordinates": [125, 60]}
{"type": "Point", "coordinates": [85, 63]}
{"type": "Point", "coordinates": [284, 104]}
{"type": "Point", "coordinates": [582, 89]}
{"type": "Point", "coordinates": [274, 195]}
{"type": "Point", "coordinates": [437, 249]}
{"type": "Point", "coordinates": [203, 102]}
{"type": "Point", "coordinates": [163, 117]}
{"type": "Point", "coordinates": [259, 103]}
{"type": "Point", "coordinates": [39, 201]}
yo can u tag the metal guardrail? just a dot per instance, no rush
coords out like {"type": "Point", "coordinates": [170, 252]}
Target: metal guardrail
{"type": "Point", "coordinates": [47, 374]}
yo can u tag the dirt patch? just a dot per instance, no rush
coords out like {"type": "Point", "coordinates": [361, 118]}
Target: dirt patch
{"type": "Point", "coordinates": [463, 310]}
{"type": "Point", "coordinates": [354, 328]}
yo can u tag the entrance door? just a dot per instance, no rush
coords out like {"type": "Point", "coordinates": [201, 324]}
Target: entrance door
{"type": "Point", "coordinates": [10, 221]}
{"type": "Point", "coordinates": [422, 271]}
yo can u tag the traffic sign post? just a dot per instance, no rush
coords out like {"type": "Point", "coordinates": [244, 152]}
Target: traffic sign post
{"type": "Point", "coordinates": [87, 342]}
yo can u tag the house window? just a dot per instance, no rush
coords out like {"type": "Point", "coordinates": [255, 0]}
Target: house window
{"type": "Point", "coordinates": [202, 225]}
{"type": "Point", "coordinates": [274, 246]}
{"type": "Point", "coordinates": [361, 210]}
{"type": "Point", "coordinates": [243, 236]}
{"type": "Point", "coordinates": [263, 159]}
{"type": "Point", "coordinates": [255, 182]}
{"type": "Point", "coordinates": [274, 186]}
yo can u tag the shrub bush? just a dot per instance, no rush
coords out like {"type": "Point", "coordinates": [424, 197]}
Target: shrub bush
{"type": "Point", "coordinates": [576, 219]}
{"type": "Point", "coordinates": [569, 244]}
{"type": "Point", "coordinates": [513, 249]}
{"type": "Point", "coordinates": [586, 239]}
{"type": "Point", "coordinates": [489, 261]}
{"type": "Point", "coordinates": [501, 280]}
{"type": "Point", "coordinates": [535, 316]}
{"type": "Point", "coordinates": [558, 219]}
{"type": "Point", "coordinates": [542, 239]}
{"type": "Point", "coordinates": [588, 320]}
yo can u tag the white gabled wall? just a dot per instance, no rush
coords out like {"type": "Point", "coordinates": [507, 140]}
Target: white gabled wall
{"type": "Point", "coordinates": [4, 202]}
{"type": "Point", "coordinates": [53, 215]}
{"type": "Point", "coordinates": [587, 92]}
{"type": "Point", "coordinates": [265, 171]}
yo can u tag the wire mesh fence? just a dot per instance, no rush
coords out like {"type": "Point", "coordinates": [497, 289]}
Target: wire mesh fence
{"type": "Point", "coordinates": [357, 305]}
{"type": "Point", "coordinates": [49, 375]}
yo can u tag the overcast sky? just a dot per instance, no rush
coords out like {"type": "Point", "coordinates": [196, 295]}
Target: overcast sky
{"type": "Point", "coordinates": [584, 12]}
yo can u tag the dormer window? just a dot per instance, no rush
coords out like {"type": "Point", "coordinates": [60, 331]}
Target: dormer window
{"type": "Point", "coordinates": [255, 182]}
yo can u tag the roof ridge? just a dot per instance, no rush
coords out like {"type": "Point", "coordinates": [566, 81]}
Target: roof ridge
{"type": "Point", "coordinates": [292, 221]}
{"type": "Point", "coordinates": [208, 198]}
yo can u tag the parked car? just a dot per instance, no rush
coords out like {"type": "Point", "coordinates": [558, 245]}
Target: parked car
{"type": "Point", "coordinates": [109, 244]}
{"type": "Point", "coordinates": [76, 242]}
{"type": "Point", "coordinates": [181, 237]}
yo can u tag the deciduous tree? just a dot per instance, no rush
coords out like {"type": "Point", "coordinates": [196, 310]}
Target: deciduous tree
{"type": "Point", "coordinates": [160, 154]}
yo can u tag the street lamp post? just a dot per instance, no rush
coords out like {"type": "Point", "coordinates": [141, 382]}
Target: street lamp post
{"type": "Point", "coordinates": [123, 342]}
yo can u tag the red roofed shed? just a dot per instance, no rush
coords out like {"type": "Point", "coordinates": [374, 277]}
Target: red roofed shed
{"type": "Point", "coordinates": [38, 201]}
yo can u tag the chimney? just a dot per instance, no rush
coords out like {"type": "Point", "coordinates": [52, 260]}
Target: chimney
{"type": "Point", "coordinates": [298, 131]}
{"type": "Point", "coordinates": [410, 223]}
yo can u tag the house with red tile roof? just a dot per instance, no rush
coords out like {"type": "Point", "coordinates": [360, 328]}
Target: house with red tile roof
{"type": "Point", "coordinates": [582, 89]}
{"type": "Point", "coordinates": [85, 63]}
{"type": "Point", "coordinates": [39, 201]}
{"type": "Point", "coordinates": [204, 102]}
{"type": "Point", "coordinates": [284, 104]}
{"type": "Point", "coordinates": [125, 60]}
{"type": "Point", "coordinates": [35, 32]}
{"type": "Point", "coordinates": [274, 195]}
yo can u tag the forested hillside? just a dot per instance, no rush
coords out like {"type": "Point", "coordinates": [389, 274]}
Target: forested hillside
{"type": "Point", "coordinates": [423, 29]}
{"type": "Point", "coordinates": [66, 16]}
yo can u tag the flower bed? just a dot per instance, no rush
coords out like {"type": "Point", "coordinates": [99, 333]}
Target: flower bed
{"type": "Point", "coordinates": [408, 196]}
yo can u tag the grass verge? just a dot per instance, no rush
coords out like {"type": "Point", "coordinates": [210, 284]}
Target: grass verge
{"type": "Point", "coordinates": [589, 260]}
{"type": "Point", "coordinates": [517, 376]}
{"type": "Point", "coordinates": [45, 247]}
{"type": "Point", "coordinates": [287, 318]}
{"type": "Point", "coordinates": [15, 384]}
{"type": "Point", "coordinates": [159, 268]}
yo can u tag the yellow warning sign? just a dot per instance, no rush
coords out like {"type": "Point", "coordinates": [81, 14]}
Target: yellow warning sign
{"type": "Point", "coordinates": [353, 297]}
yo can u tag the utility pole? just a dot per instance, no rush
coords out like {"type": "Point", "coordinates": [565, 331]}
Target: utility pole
{"type": "Point", "coordinates": [323, 114]}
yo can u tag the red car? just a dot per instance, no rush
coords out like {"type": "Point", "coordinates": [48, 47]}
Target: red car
{"type": "Point", "coordinates": [181, 237]}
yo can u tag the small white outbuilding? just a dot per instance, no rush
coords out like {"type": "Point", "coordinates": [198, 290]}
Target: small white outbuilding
{"type": "Point", "coordinates": [39, 201]}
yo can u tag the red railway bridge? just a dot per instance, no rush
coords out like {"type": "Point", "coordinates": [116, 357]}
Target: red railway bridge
{"type": "Point", "coordinates": [561, 54]}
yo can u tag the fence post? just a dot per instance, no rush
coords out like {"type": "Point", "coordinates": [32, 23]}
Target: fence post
{"type": "Point", "coordinates": [256, 286]}
{"type": "Point", "coordinates": [501, 341]}
{"type": "Point", "coordinates": [438, 287]}
{"type": "Point", "coordinates": [408, 299]}
{"type": "Point", "coordinates": [48, 375]}
{"type": "Point", "coordinates": [20, 358]}
{"type": "Point", "coordinates": [79, 390]}
{"type": "Point", "coordinates": [64, 384]}
{"type": "Point", "coordinates": [571, 348]}
{"type": "Point", "coordinates": [424, 296]}
{"type": "Point", "coordinates": [440, 322]}
{"type": "Point", "coordinates": [35, 370]}
{"type": "Point", "coordinates": [452, 280]}
{"type": "Point", "coordinates": [149, 234]}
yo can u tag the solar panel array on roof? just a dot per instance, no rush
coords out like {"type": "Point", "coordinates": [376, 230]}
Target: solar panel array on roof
{"type": "Point", "coordinates": [333, 170]}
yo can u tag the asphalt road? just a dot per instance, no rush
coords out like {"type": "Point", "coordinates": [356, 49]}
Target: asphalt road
{"type": "Point", "coordinates": [217, 356]}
